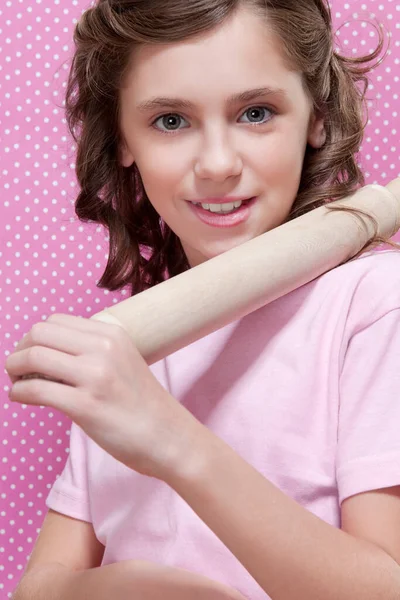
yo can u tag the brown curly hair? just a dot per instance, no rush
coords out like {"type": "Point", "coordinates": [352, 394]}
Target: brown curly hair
{"type": "Point", "coordinates": [143, 249]}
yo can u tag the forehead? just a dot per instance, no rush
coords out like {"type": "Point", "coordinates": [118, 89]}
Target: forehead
{"type": "Point", "coordinates": [241, 53]}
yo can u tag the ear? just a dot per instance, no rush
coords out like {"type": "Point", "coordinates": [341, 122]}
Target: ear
{"type": "Point", "coordinates": [316, 131]}
{"type": "Point", "coordinates": [126, 156]}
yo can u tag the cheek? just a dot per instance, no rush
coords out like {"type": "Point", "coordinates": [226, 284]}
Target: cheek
{"type": "Point", "coordinates": [161, 169]}
{"type": "Point", "coordinates": [282, 162]}
{"type": "Point", "coordinates": [282, 170]}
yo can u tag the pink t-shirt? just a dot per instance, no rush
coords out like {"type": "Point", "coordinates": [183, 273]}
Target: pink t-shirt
{"type": "Point", "coordinates": [306, 389]}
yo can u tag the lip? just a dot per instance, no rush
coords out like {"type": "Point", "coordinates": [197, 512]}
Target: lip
{"type": "Point", "coordinates": [224, 200]}
{"type": "Point", "coordinates": [223, 221]}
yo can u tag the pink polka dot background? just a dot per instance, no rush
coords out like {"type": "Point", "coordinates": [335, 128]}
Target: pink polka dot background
{"type": "Point", "coordinates": [50, 262]}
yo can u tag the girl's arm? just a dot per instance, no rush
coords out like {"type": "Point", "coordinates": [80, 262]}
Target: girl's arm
{"type": "Point", "coordinates": [126, 580]}
{"type": "Point", "coordinates": [290, 552]}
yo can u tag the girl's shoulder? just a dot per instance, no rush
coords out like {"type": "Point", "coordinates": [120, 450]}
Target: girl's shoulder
{"type": "Point", "coordinates": [381, 259]}
{"type": "Point", "coordinates": [376, 269]}
{"type": "Point", "coordinates": [369, 284]}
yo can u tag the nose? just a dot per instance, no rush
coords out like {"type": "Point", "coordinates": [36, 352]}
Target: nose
{"type": "Point", "coordinates": [218, 159]}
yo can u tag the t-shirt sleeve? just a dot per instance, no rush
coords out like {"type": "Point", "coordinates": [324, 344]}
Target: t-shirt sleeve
{"type": "Point", "coordinates": [69, 494]}
{"type": "Point", "coordinates": [368, 456]}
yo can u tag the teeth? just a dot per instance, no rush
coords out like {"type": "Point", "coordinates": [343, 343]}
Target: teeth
{"type": "Point", "coordinates": [216, 208]}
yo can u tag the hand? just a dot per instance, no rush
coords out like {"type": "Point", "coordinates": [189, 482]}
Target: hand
{"type": "Point", "coordinates": [97, 377]}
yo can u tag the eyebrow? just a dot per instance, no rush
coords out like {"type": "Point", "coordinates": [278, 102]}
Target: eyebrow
{"type": "Point", "coordinates": [178, 103]}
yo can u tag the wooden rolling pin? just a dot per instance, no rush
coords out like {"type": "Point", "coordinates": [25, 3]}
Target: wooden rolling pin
{"type": "Point", "coordinates": [181, 310]}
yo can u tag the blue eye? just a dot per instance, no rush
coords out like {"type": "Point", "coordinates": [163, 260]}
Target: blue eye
{"type": "Point", "coordinates": [256, 112]}
{"type": "Point", "coordinates": [170, 121]}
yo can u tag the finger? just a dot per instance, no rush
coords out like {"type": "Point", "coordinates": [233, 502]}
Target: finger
{"type": "Point", "coordinates": [87, 325]}
{"type": "Point", "coordinates": [51, 335]}
{"type": "Point", "coordinates": [50, 363]}
{"type": "Point", "coordinates": [64, 339]}
{"type": "Point", "coordinates": [64, 335]}
{"type": "Point", "coordinates": [59, 333]}
{"type": "Point", "coordinates": [68, 322]}
{"type": "Point", "coordinates": [71, 401]}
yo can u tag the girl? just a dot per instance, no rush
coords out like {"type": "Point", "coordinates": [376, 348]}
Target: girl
{"type": "Point", "coordinates": [262, 461]}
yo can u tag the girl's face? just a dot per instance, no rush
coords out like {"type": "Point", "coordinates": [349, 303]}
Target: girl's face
{"type": "Point", "coordinates": [195, 142]}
